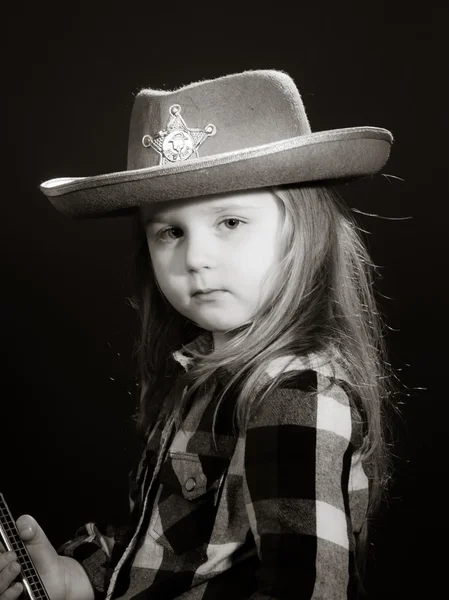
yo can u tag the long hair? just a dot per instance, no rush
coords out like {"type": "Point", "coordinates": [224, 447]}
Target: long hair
{"type": "Point", "coordinates": [322, 297]}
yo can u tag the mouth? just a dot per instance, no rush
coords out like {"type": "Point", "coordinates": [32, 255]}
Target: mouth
{"type": "Point", "coordinates": [208, 294]}
{"type": "Point", "coordinates": [206, 291]}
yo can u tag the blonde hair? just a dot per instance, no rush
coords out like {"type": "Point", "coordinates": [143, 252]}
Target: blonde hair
{"type": "Point", "coordinates": [322, 298]}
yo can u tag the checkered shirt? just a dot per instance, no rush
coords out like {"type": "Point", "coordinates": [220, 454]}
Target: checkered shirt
{"type": "Point", "coordinates": [270, 514]}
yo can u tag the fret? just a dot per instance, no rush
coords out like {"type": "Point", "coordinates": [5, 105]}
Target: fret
{"type": "Point", "coordinates": [28, 571]}
{"type": "Point", "coordinates": [33, 587]}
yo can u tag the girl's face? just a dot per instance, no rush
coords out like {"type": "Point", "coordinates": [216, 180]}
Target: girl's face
{"type": "Point", "coordinates": [210, 255]}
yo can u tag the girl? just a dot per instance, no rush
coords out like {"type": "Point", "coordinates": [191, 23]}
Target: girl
{"type": "Point", "coordinates": [261, 358]}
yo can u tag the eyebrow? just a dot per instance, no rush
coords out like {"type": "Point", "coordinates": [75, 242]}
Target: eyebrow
{"type": "Point", "coordinates": [162, 217]}
{"type": "Point", "coordinates": [233, 206]}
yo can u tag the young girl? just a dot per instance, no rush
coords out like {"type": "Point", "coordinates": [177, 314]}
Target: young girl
{"type": "Point", "coordinates": [261, 367]}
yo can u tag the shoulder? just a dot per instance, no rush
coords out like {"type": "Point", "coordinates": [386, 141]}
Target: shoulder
{"type": "Point", "coordinates": [310, 392]}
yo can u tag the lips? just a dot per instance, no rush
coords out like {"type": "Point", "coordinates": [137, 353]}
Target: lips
{"type": "Point", "coordinates": [206, 291]}
{"type": "Point", "coordinates": [208, 295]}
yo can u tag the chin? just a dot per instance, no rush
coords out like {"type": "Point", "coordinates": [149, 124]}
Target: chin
{"type": "Point", "coordinates": [218, 326]}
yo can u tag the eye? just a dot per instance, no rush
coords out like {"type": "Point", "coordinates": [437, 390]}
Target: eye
{"type": "Point", "coordinates": [232, 222]}
{"type": "Point", "coordinates": [172, 233]}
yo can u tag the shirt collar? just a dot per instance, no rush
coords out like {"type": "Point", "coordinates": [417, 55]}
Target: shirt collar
{"type": "Point", "coordinates": [324, 363]}
{"type": "Point", "coordinates": [202, 344]}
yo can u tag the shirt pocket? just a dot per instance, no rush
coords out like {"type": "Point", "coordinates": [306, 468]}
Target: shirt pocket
{"type": "Point", "coordinates": [186, 503]}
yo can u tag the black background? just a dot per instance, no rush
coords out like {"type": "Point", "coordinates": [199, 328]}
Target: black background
{"type": "Point", "coordinates": [68, 387]}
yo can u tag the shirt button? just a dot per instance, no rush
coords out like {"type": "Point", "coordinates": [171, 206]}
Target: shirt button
{"type": "Point", "coordinates": [190, 484]}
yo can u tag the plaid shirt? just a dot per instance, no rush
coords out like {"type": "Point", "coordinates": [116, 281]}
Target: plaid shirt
{"type": "Point", "coordinates": [270, 514]}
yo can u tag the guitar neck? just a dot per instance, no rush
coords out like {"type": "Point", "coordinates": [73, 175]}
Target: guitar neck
{"type": "Point", "coordinates": [29, 577]}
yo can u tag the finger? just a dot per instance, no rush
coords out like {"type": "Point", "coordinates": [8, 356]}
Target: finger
{"type": "Point", "coordinates": [6, 558]}
{"type": "Point", "coordinates": [13, 592]}
{"type": "Point", "coordinates": [41, 551]}
{"type": "Point", "coordinates": [31, 532]}
{"type": "Point", "coordinates": [8, 575]}
{"type": "Point", "coordinates": [27, 527]}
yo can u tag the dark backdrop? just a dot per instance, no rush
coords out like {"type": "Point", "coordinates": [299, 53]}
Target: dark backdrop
{"type": "Point", "coordinates": [68, 387]}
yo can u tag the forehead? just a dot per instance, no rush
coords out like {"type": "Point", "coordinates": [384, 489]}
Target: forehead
{"type": "Point", "coordinates": [215, 203]}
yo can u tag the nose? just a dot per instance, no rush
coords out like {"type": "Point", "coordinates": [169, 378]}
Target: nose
{"type": "Point", "coordinates": [199, 252]}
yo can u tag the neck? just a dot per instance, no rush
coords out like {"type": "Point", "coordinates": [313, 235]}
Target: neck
{"type": "Point", "coordinates": [220, 339]}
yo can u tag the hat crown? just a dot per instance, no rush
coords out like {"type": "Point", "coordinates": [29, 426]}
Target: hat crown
{"type": "Point", "coordinates": [242, 131]}
{"type": "Point", "coordinates": [242, 111]}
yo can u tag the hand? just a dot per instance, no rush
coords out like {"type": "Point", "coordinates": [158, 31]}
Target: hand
{"type": "Point", "coordinates": [63, 578]}
{"type": "Point", "coordinates": [9, 569]}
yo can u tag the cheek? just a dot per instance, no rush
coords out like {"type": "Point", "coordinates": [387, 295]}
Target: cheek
{"type": "Point", "coordinates": [160, 270]}
{"type": "Point", "coordinates": [168, 279]}
{"type": "Point", "coordinates": [258, 256]}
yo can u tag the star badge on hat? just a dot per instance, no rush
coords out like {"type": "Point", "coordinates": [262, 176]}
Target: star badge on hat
{"type": "Point", "coordinates": [178, 142]}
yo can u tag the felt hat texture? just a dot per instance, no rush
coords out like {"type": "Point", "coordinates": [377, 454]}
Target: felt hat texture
{"type": "Point", "coordinates": [241, 131]}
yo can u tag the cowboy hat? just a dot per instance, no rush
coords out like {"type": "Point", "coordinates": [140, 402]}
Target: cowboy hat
{"type": "Point", "coordinates": [241, 131]}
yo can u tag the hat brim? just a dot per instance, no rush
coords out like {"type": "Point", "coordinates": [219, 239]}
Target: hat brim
{"type": "Point", "coordinates": [335, 154]}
